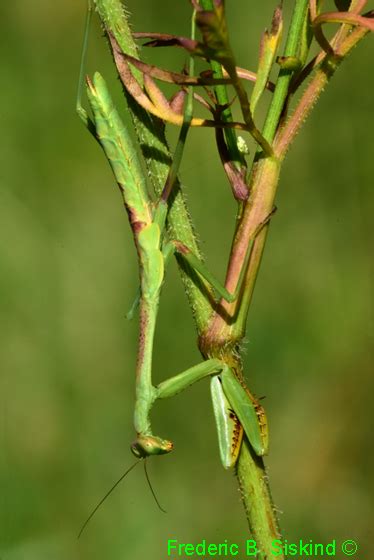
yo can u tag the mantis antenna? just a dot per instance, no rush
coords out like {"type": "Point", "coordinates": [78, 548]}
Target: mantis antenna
{"type": "Point", "coordinates": [151, 487]}
{"type": "Point", "coordinates": [81, 112]}
{"type": "Point", "coordinates": [100, 503]}
{"type": "Point", "coordinates": [107, 495]}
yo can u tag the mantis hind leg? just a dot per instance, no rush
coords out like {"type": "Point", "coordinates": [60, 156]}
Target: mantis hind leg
{"type": "Point", "coordinates": [235, 408]}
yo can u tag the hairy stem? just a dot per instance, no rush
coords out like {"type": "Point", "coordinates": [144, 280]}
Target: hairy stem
{"type": "Point", "coordinates": [284, 78]}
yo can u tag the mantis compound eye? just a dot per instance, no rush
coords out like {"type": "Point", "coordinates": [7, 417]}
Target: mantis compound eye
{"type": "Point", "coordinates": [144, 446]}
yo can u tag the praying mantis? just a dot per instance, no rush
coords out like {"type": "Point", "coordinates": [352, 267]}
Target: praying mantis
{"type": "Point", "coordinates": [235, 408]}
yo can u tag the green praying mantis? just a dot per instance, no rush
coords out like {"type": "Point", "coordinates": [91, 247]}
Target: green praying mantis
{"type": "Point", "coordinates": [235, 408]}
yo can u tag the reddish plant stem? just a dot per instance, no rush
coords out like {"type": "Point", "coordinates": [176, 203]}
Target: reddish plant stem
{"type": "Point", "coordinates": [227, 325]}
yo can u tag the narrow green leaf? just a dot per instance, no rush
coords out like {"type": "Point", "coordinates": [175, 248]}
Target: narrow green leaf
{"type": "Point", "coordinates": [268, 48]}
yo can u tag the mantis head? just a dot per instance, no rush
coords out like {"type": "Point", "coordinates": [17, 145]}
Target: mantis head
{"type": "Point", "coordinates": [144, 446]}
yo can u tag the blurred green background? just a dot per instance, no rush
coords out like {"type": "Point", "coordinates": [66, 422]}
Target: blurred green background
{"type": "Point", "coordinates": [68, 274]}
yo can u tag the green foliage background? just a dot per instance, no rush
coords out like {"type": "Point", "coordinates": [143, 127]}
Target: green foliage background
{"type": "Point", "coordinates": [68, 274]}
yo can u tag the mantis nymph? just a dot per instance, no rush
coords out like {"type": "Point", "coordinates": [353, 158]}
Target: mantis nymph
{"type": "Point", "coordinates": [234, 407]}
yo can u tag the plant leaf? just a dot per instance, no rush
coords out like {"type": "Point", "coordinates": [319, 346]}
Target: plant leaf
{"type": "Point", "coordinates": [268, 48]}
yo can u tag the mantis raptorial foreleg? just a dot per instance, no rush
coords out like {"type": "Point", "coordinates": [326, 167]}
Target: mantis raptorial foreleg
{"type": "Point", "coordinates": [229, 429]}
{"type": "Point", "coordinates": [228, 394]}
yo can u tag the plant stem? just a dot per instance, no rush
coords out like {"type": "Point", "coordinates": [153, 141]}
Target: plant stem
{"type": "Point", "coordinates": [255, 493]}
{"type": "Point", "coordinates": [285, 76]}
{"type": "Point", "coordinates": [222, 340]}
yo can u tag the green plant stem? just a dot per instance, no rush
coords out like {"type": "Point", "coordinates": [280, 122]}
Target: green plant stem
{"type": "Point", "coordinates": [285, 76]}
{"type": "Point", "coordinates": [220, 340]}
{"type": "Point", "coordinates": [256, 497]}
